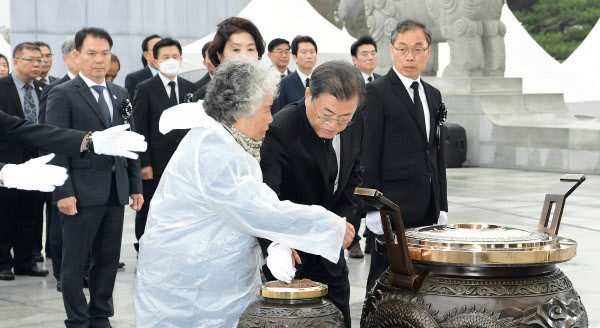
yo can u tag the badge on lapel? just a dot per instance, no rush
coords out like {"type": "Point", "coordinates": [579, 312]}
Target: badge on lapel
{"type": "Point", "coordinates": [188, 98]}
{"type": "Point", "coordinates": [126, 109]}
{"type": "Point", "coordinates": [442, 114]}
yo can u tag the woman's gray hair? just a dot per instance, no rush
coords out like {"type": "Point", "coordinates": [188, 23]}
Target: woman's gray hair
{"type": "Point", "coordinates": [238, 88]}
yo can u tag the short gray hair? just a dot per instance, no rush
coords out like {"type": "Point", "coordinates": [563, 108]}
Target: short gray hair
{"type": "Point", "coordinates": [68, 45]}
{"type": "Point", "coordinates": [411, 25]}
{"type": "Point", "coordinates": [339, 79]}
{"type": "Point", "coordinates": [238, 88]}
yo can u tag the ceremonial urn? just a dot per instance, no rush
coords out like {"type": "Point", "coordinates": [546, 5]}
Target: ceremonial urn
{"type": "Point", "coordinates": [287, 307]}
{"type": "Point", "coordinates": [475, 275]}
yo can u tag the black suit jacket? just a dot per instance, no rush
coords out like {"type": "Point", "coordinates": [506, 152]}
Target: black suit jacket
{"type": "Point", "coordinates": [72, 105]}
{"type": "Point", "coordinates": [150, 101]}
{"type": "Point", "coordinates": [19, 131]}
{"type": "Point", "coordinates": [10, 103]}
{"type": "Point", "coordinates": [291, 89]}
{"type": "Point", "coordinates": [202, 82]}
{"type": "Point", "coordinates": [44, 99]}
{"type": "Point", "coordinates": [132, 79]}
{"type": "Point", "coordinates": [294, 165]}
{"type": "Point", "coordinates": [397, 158]}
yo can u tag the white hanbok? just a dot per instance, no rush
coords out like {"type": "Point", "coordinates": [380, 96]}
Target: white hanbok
{"type": "Point", "coordinates": [199, 258]}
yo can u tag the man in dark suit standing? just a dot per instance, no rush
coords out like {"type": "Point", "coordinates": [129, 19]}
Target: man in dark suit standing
{"type": "Point", "coordinates": [44, 79]}
{"type": "Point", "coordinates": [150, 66]}
{"type": "Point", "coordinates": [311, 155]}
{"type": "Point", "coordinates": [279, 54]}
{"type": "Point", "coordinates": [304, 53]}
{"type": "Point", "coordinates": [209, 66]}
{"type": "Point", "coordinates": [364, 57]}
{"type": "Point", "coordinates": [152, 97]}
{"type": "Point", "coordinates": [19, 96]}
{"type": "Point", "coordinates": [91, 200]}
{"type": "Point", "coordinates": [402, 156]}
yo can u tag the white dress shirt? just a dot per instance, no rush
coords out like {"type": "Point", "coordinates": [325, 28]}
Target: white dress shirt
{"type": "Point", "coordinates": [166, 81]}
{"type": "Point", "coordinates": [366, 77]}
{"type": "Point", "coordinates": [336, 144]}
{"type": "Point", "coordinates": [71, 75]}
{"type": "Point", "coordinates": [303, 77]}
{"type": "Point", "coordinates": [105, 92]}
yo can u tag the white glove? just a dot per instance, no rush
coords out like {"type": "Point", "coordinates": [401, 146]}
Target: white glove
{"type": "Point", "coordinates": [443, 218]}
{"type": "Point", "coordinates": [116, 141]}
{"type": "Point", "coordinates": [279, 262]}
{"type": "Point", "coordinates": [373, 222]}
{"type": "Point", "coordinates": [35, 174]}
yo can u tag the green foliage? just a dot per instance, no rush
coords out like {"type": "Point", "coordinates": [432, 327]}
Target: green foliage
{"type": "Point", "coordinates": [558, 26]}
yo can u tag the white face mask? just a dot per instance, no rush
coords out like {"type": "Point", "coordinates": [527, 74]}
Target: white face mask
{"type": "Point", "coordinates": [170, 67]}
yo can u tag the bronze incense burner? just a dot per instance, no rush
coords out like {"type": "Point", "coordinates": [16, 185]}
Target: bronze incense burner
{"type": "Point", "coordinates": [475, 275]}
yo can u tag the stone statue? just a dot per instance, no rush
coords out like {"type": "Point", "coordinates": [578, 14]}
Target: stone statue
{"type": "Point", "coordinates": [472, 29]}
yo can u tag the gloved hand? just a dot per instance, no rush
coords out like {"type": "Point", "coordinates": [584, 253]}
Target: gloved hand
{"type": "Point", "coordinates": [116, 141]}
{"type": "Point", "coordinates": [443, 217]}
{"type": "Point", "coordinates": [279, 262]}
{"type": "Point", "coordinates": [35, 174]}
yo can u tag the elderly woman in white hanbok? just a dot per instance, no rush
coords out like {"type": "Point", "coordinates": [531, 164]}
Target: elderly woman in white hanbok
{"type": "Point", "coordinates": [199, 257]}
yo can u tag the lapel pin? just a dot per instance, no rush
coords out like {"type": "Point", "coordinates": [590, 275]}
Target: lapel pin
{"type": "Point", "coordinates": [114, 97]}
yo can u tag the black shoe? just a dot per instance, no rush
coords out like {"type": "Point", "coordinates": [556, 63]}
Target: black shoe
{"type": "Point", "coordinates": [85, 282]}
{"type": "Point", "coordinates": [58, 287]}
{"type": "Point", "coordinates": [121, 264]}
{"type": "Point", "coordinates": [6, 275]}
{"type": "Point", "coordinates": [34, 271]}
{"type": "Point", "coordinates": [37, 256]}
{"type": "Point", "coordinates": [355, 252]}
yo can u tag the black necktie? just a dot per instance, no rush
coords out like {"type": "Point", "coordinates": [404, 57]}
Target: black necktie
{"type": "Point", "coordinates": [103, 105]}
{"type": "Point", "coordinates": [418, 105]}
{"type": "Point", "coordinates": [307, 81]}
{"type": "Point", "coordinates": [173, 96]}
{"type": "Point", "coordinates": [44, 82]}
{"type": "Point", "coordinates": [370, 79]}
{"type": "Point", "coordinates": [282, 76]}
{"type": "Point", "coordinates": [332, 165]}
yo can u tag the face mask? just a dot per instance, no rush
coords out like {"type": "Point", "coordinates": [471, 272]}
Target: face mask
{"type": "Point", "coordinates": [169, 67]}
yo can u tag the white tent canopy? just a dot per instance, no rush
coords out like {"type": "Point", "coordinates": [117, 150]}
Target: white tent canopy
{"type": "Point", "coordinates": [584, 59]}
{"type": "Point", "coordinates": [540, 72]}
{"type": "Point", "coordinates": [283, 19]}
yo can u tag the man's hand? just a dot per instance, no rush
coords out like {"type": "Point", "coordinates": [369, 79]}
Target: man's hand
{"type": "Point", "coordinates": [295, 258]}
{"type": "Point", "coordinates": [35, 174]}
{"type": "Point", "coordinates": [147, 173]}
{"type": "Point", "coordinates": [279, 262]}
{"type": "Point", "coordinates": [116, 141]}
{"type": "Point", "coordinates": [349, 236]}
{"type": "Point", "coordinates": [138, 201]}
{"type": "Point", "coordinates": [67, 206]}
{"type": "Point", "coordinates": [443, 218]}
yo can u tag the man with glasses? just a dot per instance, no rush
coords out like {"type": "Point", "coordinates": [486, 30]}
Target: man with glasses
{"type": "Point", "coordinates": [152, 97]}
{"type": "Point", "coordinates": [19, 96]}
{"type": "Point", "coordinates": [279, 54]}
{"type": "Point", "coordinates": [311, 155]}
{"type": "Point", "coordinates": [304, 53]}
{"type": "Point", "coordinates": [47, 55]}
{"type": "Point", "coordinates": [402, 156]}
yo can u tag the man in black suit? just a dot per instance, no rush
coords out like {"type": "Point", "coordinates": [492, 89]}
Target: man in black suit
{"type": "Point", "coordinates": [44, 79]}
{"type": "Point", "coordinates": [209, 66]}
{"type": "Point", "coordinates": [402, 156]}
{"type": "Point", "coordinates": [279, 54]}
{"type": "Point", "coordinates": [364, 57]}
{"type": "Point", "coordinates": [92, 198]}
{"type": "Point", "coordinates": [19, 96]}
{"type": "Point", "coordinates": [304, 53]}
{"type": "Point", "coordinates": [311, 155]}
{"type": "Point", "coordinates": [150, 66]}
{"type": "Point", "coordinates": [152, 97]}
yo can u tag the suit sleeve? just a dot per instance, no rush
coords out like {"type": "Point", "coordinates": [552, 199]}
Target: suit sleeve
{"type": "Point", "coordinates": [48, 138]}
{"type": "Point", "coordinates": [58, 113]}
{"type": "Point", "coordinates": [441, 165]}
{"type": "Point", "coordinates": [43, 103]}
{"type": "Point", "coordinates": [141, 117]}
{"type": "Point", "coordinates": [130, 83]}
{"type": "Point", "coordinates": [374, 139]}
{"type": "Point", "coordinates": [134, 171]}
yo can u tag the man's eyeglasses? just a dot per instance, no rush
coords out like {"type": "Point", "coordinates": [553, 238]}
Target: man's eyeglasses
{"type": "Point", "coordinates": [326, 119]}
{"type": "Point", "coordinates": [417, 52]}
{"type": "Point", "coordinates": [31, 60]}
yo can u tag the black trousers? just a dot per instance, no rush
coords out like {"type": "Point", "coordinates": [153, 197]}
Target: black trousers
{"type": "Point", "coordinates": [18, 210]}
{"type": "Point", "coordinates": [380, 263]}
{"type": "Point", "coordinates": [95, 230]}
{"type": "Point", "coordinates": [149, 187]}
{"type": "Point", "coordinates": [55, 240]}
{"type": "Point", "coordinates": [338, 287]}
{"type": "Point", "coordinates": [355, 222]}
{"type": "Point", "coordinates": [38, 229]}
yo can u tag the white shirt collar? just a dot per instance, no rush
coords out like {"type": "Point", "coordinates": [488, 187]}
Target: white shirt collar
{"type": "Point", "coordinates": [166, 81]}
{"type": "Point", "coordinates": [366, 77]}
{"type": "Point", "coordinates": [71, 75]}
{"type": "Point", "coordinates": [407, 81]}
{"type": "Point", "coordinates": [91, 83]}
{"type": "Point", "coordinates": [303, 77]}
